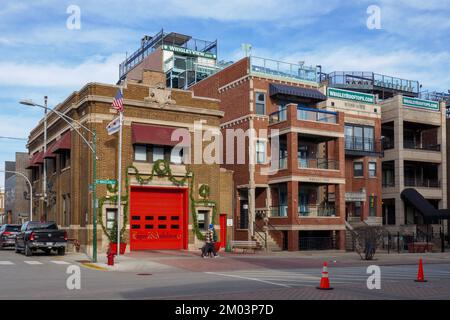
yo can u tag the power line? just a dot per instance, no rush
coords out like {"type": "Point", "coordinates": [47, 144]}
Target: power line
{"type": "Point", "coordinates": [13, 138]}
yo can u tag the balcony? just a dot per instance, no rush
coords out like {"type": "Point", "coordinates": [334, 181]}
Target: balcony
{"type": "Point", "coordinates": [279, 211]}
{"type": "Point", "coordinates": [409, 144]}
{"type": "Point", "coordinates": [316, 115]}
{"type": "Point", "coordinates": [358, 146]}
{"type": "Point", "coordinates": [422, 183]}
{"type": "Point", "coordinates": [315, 210]}
{"type": "Point", "coordinates": [280, 69]}
{"type": "Point", "coordinates": [318, 163]}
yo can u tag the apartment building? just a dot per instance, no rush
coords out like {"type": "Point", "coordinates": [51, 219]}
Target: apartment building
{"type": "Point", "coordinates": [168, 202]}
{"type": "Point", "coordinates": [415, 157]}
{"type": "Point", "coordinates": [414, 179]}
{"type": "Point", "coordinates": [299, 204]}
{"type": "Point", "coordinates": [363, 153]}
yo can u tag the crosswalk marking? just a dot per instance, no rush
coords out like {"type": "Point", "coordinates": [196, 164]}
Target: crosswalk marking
{"type": "Point", "coordinates": [59, 262]}
{"type": "Point", "coordinates": [6, 263]}
{"type": "Point", "coordinates": [33, 262]}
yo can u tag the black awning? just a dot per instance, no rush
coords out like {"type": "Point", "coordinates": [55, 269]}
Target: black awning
{"type": "Point", "coordinates": [445, 213]}
{"type": "Point", "coordinates": [422, 205]}
{"type": "Point", "coordinates": [282, 89]}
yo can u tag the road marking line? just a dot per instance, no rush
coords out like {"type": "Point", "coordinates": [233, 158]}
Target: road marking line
{"type": "Point", "coordinates": [6, 263]}
{"type": "Point", "coordinates": [33, 262]}
{"type": "Point", "coordinates": [247, 278]}
{"type": "Point", "coordinates": [59, 262]}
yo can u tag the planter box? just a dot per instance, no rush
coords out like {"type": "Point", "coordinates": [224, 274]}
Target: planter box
{"type": "Point", "coordinates": [113, 248]}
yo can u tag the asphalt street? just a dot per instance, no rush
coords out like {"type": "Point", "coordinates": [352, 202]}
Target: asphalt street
{"type": "Point", "coordinates": [45, 277]}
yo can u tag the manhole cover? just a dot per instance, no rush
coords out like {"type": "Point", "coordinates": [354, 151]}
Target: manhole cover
{"type": "Point", "coordinates": [144, 274]}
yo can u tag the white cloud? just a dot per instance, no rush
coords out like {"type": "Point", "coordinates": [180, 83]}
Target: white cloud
{"type": "Point", "coordinates": [94, 69]}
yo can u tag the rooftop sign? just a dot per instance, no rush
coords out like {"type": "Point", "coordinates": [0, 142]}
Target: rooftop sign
{"type": "Point", "coordinates": [189, 51]}
{"type": "Point", "coordinates": [419, 103]}
{"type": "Point", "coordinates": [351, 95]}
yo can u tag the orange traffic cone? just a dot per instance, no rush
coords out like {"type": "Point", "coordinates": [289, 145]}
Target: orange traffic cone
{"type": "Point", "coordinates": [420, 276]}
{"type": "Point", "coordinates": [325, 281]}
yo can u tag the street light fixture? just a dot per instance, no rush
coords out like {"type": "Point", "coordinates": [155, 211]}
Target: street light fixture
{"type": "Point", "coordinates": [93, 148]}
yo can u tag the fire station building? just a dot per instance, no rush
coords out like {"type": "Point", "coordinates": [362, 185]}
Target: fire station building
{"type": "Point", "coordinates": [168, 202]}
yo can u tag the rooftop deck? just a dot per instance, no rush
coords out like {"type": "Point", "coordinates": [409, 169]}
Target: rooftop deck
{"type": "Point", "coordinates": [280, 69]}
{"type": "Point", "coordinates": [369, 81]}
{"type": "Point", "coordinates": [151, 43]}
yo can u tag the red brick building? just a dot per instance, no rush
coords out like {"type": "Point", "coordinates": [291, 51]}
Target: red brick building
{"type": "Point", "coordinates": [301, 205]}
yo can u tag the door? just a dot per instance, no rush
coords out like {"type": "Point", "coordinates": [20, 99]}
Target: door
{"type": "Point", "coordinates": [223, 230]}
{"type": "Point", "coordinates": [158, 218]}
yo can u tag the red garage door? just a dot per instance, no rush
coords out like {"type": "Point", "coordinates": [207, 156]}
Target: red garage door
{"type": "Point", "coordinates": [158, 218]}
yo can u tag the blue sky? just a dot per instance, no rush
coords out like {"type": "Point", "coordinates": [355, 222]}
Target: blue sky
{"type": "Point", "coordinates": [39, 56]}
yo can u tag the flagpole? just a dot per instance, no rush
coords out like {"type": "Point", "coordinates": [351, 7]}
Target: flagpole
{"type": "Point", "coordinates": [119, 190]}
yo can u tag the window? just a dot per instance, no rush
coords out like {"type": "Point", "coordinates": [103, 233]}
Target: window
{"type": "Point", "coordinates": [359, 138]}
{"type": "Point", "coordinates": [358, 169]}
{"type": "Point", "coordinates": [111, 214]}
{"type": "Point", "coordinates": [357, 209]}
{"type": "Point", "coordinates": [260, 103]}
{"type": "Point", "coordinates": [260, 151]}
{"type": "Point", "coordinates": [203, 219]}
{"type": "Point", "coordinates": [176, 156]}
{"type": "Point", "coordinates": [158, 153]}
{"type": "Point", "coordinates": [372, 206]}
{"type": "Point", "coordinates": [372, 169]}
{"type": "Point", "coordinates": [65, 159]}
{"type": "Point", "coordinates": [35, 174]}
{"type": "Point", "coordinates": [140, 153]}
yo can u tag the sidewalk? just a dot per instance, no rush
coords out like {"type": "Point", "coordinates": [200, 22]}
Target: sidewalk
{"type": "Point", "coordinates": [173, 261]}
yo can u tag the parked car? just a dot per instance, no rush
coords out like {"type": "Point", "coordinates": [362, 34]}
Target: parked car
{"type": "Point", "coordinates": [8, 234]}
{"type": "Point", "coordinates": [43, 236]}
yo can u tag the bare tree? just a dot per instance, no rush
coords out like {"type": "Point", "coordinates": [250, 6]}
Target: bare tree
{"type": "Point", "coordinates": [367, 239]}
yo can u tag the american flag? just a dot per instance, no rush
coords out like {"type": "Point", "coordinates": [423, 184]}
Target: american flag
{"type": "Point", "coordinates": [118, 101]}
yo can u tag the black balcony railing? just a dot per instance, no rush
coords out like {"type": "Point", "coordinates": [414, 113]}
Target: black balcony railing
{"type": "Point", "coordinates": [318, 163]}
{"type": "Point", "coordinates": [408, 144]}
{"type": "Point", "coordinates": [363, 145]}
{"type": "Point", "coordinates": [422, 183]}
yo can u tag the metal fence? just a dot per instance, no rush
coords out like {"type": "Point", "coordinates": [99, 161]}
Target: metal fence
{"type": "Point", "coordinates": [317, 243]}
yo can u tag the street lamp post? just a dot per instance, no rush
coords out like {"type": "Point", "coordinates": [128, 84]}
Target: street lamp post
{"type": "Point", "coordinates": [44, 187]}
{"type": "Point", "coordinates": [29, 184]}
{"type": "Point", "coordinates": [93, 148]}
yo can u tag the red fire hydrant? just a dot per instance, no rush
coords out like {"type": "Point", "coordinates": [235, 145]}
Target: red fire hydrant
{"type": "Point", "coordinates": [110, 256]}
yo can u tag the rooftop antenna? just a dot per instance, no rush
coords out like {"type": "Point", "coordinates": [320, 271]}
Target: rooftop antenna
{"type": "Point", "coordinates": [247, 48]}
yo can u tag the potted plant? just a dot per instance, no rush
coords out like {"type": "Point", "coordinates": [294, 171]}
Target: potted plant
{"type": "Point", "coordinates": [113, 241]}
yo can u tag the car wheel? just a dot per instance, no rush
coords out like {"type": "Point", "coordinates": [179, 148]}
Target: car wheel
{"type": "Point", "coordinates": [28, 251]}
{"type": "Point", "coordinates": [16, 247]}
{"type": "Point", "coordinates": [61, 251]}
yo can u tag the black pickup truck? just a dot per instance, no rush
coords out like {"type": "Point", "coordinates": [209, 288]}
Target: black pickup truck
{"type": "Point", "coordinates": [45, 236]}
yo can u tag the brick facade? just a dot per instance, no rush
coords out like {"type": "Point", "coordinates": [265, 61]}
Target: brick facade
{"type": "Point", "coordinates": [146, 102]}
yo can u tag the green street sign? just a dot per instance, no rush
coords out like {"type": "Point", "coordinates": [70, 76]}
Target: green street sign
{"type": "Point", "coordinates": [419, 103]}
{"type": "Point", "coordinates": [351, 95]}
{"type": "Point", "coordinates": [105, 181]}
{"type": "Point", "coordinates": [189, 51]}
